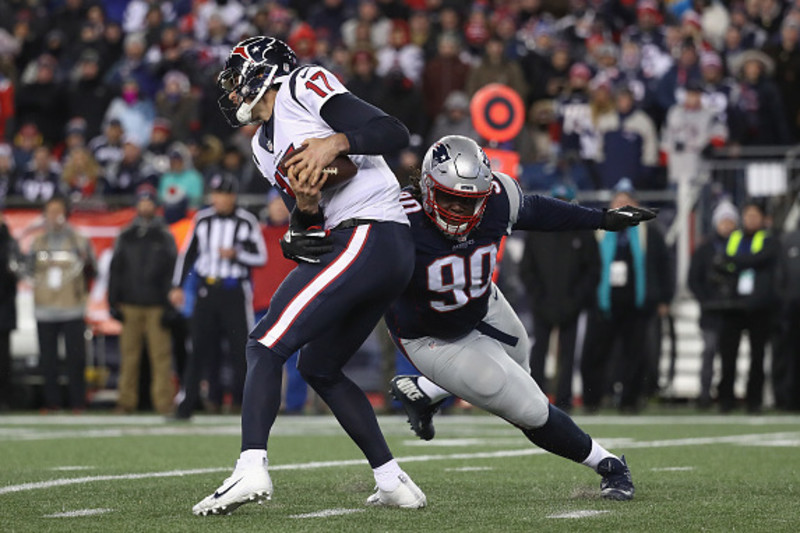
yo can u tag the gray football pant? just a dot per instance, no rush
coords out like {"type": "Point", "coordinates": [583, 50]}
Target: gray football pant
{"type": "Point", "coordinates": [484, 371]}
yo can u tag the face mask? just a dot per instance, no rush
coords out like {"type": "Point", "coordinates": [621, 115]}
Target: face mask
{"type": "Point", "coordinates": [130, 95]}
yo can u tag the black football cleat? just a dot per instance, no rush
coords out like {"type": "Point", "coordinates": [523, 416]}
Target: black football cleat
{"type": "Point", "coordinates": [417, 405]}
{"type": "Point", "coordinates": [617, 483]}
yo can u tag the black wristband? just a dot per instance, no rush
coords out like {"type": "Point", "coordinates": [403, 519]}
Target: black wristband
{"type": "Point", "coordinates": [303, 220]}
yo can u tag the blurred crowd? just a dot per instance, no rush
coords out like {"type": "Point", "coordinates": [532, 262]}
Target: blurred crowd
{"type": "Point", "coordinates": [99, 97]}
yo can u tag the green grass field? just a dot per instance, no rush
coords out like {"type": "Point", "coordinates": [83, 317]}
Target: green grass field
{"type": "Point", "coordinates": [112, 474]}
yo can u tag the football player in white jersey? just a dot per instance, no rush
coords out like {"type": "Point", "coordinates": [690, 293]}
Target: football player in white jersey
{"type": "Point", "coordinates": [456, 326]}
{"type": "Point", "coordinates": [353, 246]}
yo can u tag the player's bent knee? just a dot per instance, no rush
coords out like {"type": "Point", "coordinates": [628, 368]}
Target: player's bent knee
{"type": "Point", "coordinates": [533, 413]}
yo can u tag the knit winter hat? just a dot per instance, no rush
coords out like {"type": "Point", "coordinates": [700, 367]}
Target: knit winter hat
{"type": "Point", "coordinates": [725, 210]}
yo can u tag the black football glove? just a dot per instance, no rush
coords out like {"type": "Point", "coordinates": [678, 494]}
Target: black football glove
{"type": "Point", "coordinates": [306, 246]}
{"type": "Point", "coordinates": [626, 216]}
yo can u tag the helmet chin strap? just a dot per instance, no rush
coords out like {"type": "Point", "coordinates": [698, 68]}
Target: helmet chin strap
{"type": "Point", "coordinates": [245, 112]}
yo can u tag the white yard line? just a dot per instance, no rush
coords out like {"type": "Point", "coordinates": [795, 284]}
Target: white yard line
{"type": "Point", "coordinates": [71, 468]}
{"type": "Point", "coordinates": [578, 514]}
{"type": "Point", "coordinates": [325, 513]}
{"type": "Point", "coordinates": [731, 439]}
{"type": "Point", "coordinates": [79, 512]}
{"type": "Point", "coordinates": [673, 469]}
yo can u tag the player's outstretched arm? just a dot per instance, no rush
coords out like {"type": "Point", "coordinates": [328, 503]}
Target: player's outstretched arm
{"type": "Point", "coordinates": [542, 213]}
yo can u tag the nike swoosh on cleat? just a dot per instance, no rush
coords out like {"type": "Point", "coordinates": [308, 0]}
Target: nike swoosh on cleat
{"type": "Point", "coordinates": [224, 492]}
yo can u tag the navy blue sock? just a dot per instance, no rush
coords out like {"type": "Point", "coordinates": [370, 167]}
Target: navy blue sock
{"type": "Point", "coordinates": [352, 409]}
{"type": "Point", "coordinates": [561, 436]}
{"type": "Point", "coordinates": [262, 394]}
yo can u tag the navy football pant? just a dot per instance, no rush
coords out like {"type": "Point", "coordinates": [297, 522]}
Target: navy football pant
{"type": "Point", "coordinates": [327, 311]}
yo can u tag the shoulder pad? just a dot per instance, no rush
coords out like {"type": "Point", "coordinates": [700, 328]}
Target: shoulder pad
{"type": "Point", "coordinates": [514, 193]}
{"type": "Point", "coordinates": [311, 86]}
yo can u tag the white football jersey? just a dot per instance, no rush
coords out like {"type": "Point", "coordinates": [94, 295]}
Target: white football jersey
{"type": "Point", "coordinates": [373, 193]}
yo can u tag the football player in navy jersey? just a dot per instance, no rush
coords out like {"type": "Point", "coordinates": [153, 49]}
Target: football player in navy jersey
{"type": "Point", "coordinates": [353, 246]}
{"type": "Point", "coordinates": [456, 326]}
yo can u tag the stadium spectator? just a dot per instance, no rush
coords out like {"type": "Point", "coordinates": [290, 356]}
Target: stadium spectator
{"type": "Point", "coordinates": [365, 82]}
{"type": "Point", "coordinates": [648, 31]}
{"type": "Point", "coordinates": [763, 119]}
{"type": "Point", "coordinates": [42, 100]}
{"type": "Point", "coordinates": [111, 45]}
{"type": "Point", "coordinates": [74, 138]}
{"type": "Point", "coordinates": [9, 268]}
{"type": "Point", "coordinates": [327, 18]}
{"type": "Point", "coordinates": [560, 272]}
{"type": "Point", "coordinates": [156, 155]}
{"type": "Point", "coordinates": [443, 74]}
{"type": "Point", "coordinates": [712, 290]}
{"type": "Point", "coordinates": [6, 102]}
{"type": "Point", "coordinates": [176, 103]}
{"type": "Point", "coordinates": [41, 180]}
{"type": "Point", "coordinates": [8, 172]}
{"type": "Point", "coordinates": [786, 352]}
{"type": "Point", "coordinates": [691, 129]}
{"type": "Point", "coordinates": [555, 76]}
{"type": "Point", "coordinates": [181, 175]}
{"type": "Point", "coordinates": [627, 143]}
{"type": "Point", "coordinates": [107, 147]}
{"type": "Point", "coordinates": [785, 53]}
{"type": "Point", "coordinates": [170, 53]}
{"type": "Point", "coordinates": [750, 259]}
{"type": "Point", "coordinates": [685, 68]}
{"type": "Point", "coordinates": [125, 176]}
{"type": "Point", "coordinates": [132, 66]}
{"type": "Point", "coordinates": [62, 266]}
{"type": "Point", "coordinates": [80, 175]}
{"type": "Point", "coordinates": [139, 281]}
{"type": "Point", "coordinates": [635, 285]}
{"type": "Point", "coordinates": [404, 101]}
{"type": "Point", "coordinates": [454, 119]}
{"type": "Point", "coordinates": [495, 68]}
{"type": "Point", "coordinates": [25, 143]}
{"type": "Point", "coordinates": [400, 55]}
{"type": "Point", "coordinates": [420, 33]}
{"type": "Point", "coordinates": [377, 25]}
{"type": "Point", "coordinates": [134, 110]}
{"type": "Point", "coordinates": [719, 91]}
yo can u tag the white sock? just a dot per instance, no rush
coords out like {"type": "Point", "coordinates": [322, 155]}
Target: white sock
{"type": "Point", "coordinates": [597, 454]}
{"type": "Point", "coordinates": [431, 389]}
{"type": "Point", "coordinates": [252, 458]}
{"type": "Point", "coordinates": [386, 476]}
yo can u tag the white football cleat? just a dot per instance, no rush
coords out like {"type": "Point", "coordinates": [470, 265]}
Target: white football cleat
{"type": "Point", "coordinates": [407, 495]}
{"type": "Point", "coordinates": [246, 485]}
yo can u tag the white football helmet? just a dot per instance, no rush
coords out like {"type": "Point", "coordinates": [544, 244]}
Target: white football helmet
{"type": "Point", "coordinates": [455, 167]}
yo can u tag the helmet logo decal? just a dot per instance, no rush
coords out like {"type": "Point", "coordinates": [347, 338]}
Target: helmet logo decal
{"type": "Point", "coordinates": [440, 154]}
{"type": "Point", "coordinates": [241, 51]}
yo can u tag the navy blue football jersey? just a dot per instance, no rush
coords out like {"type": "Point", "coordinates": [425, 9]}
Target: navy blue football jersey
{"type": "Point", "coordinates": [449, 292]}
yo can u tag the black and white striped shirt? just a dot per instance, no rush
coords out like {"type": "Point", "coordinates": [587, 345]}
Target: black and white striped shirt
{"type": "Point", "coordinates": [212, 232]}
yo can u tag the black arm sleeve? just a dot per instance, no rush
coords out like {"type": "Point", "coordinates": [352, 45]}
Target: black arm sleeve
{"type": "Point", "coordinates": [369, 130]}
{"type": "Point", "coordinates": [549, 214]}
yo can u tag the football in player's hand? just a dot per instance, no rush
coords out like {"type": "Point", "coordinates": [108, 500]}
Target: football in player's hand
{"type": "Point", "coordinates": [338, 171]}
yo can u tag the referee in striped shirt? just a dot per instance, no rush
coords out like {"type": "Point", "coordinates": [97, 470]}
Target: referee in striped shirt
{"type": "Point", "coordinates": [226, 242]}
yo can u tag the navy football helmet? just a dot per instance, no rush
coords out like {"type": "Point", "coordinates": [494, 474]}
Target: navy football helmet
{"type": "Point", "coordinates": [253, 66]}
{"type": "Point", "coordinates": [455, 167]}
